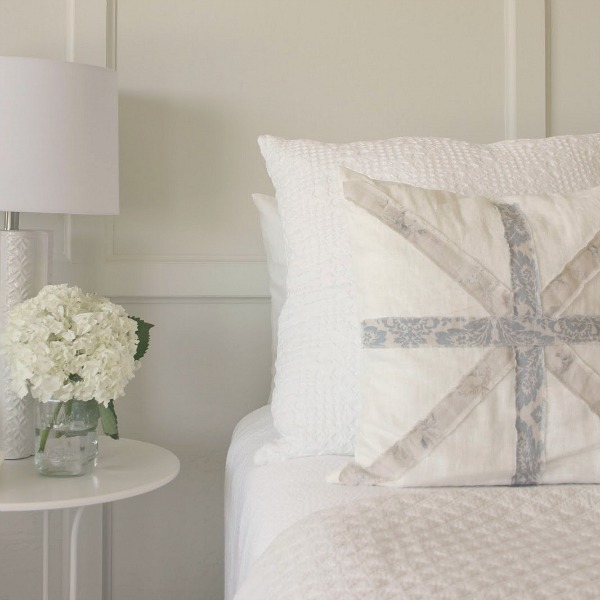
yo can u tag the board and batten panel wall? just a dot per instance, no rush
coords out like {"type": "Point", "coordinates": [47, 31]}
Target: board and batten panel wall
{"type": "Point", "coordinates": [199, 81]}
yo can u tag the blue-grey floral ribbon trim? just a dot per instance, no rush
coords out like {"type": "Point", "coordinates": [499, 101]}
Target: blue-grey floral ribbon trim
{"type": "Point", "coordinates": [528, 334]}
{"type": "Point", "coordinates": [530, 380]}
{"type": "Point", "coordinates": [524, 273]}
{"type": "Point", "coordinates": [463, 332]}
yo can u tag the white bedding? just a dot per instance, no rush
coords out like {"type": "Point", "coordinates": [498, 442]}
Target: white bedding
{"type": "Point", "coordinates": [533, 542]}
{"type": "Point", "coordinates": [263, 501]}
{"type": "Point", "coordinates": [526, 543]}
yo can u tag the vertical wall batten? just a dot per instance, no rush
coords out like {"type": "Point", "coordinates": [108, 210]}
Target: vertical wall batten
{"type": "Point", "coordinates": [70, 30]}
{"type": "Point", "coordinates": [548, 64]}
{"type": "Point", "coordinates": [510, 69]}
{"type": "Point", "coordinates": [111, 34]}
{"type": "Point", "coordinates": [70, 57]}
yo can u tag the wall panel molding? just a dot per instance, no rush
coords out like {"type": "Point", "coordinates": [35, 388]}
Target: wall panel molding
{"type": "Point", "coordinates": [526, 86]}
{"type": "Point", "coordinates": [510, 69]}
{"type": "Point", "coordinates": [169, 279]}
{"type": "Point", "coordinates": [191, 299]}
{"type": "Point", "coordinates": [548, 64]}
{"type": "Point", "coordinates": [223, 276]}
{"type": "Point", "coordinates": [208, 275]}
{"type": "Point", "coordinates": [111, 255]}
{"type": "Point", "coordinates": [111, 34]}
{"type": "Point", "coordinates": [89, 246]}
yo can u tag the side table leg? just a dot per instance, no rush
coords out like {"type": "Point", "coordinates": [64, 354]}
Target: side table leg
{"type": "Point", "coordinates": [45, 560]}
{"type": "Point", "coordinates": [73, 554]}
{"type": "Point", "coordinates": [66, 542]}
{"type": "Point", "coordinates": [107, 551]}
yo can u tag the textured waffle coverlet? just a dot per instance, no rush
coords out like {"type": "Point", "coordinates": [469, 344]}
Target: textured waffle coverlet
{"type": "Point", "coordinates": [462, 543]}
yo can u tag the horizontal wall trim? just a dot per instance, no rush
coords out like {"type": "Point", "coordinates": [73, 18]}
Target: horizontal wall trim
{"type": "Point", "coordinates": [181, 280]}
{"type": "Point", "coordinates": [187, 258]}
{"type": "Point", "coordinates": [191, 299]}
{"type": "Point", "coordinates": [112, 255]}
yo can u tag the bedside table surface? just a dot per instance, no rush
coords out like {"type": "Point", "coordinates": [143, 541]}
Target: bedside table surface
{"type": "Point", "coordinates": [126, 468]}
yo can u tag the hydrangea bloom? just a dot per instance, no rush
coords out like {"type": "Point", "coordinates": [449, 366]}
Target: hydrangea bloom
{"type": "Point", "coordinates": [66, 344]}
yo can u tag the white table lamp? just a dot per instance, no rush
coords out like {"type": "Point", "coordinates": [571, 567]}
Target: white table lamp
{"type": "Point", "coordinates": [58, 154]}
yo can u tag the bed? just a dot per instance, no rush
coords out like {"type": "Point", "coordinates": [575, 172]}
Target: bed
{"type": "Point", "coordinates": [434, 430]}
{"type": "Point", "coordinates": [484, 552]}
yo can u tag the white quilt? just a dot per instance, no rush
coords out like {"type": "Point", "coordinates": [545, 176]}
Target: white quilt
{"type": "Point", "coordinates": [463, 543]}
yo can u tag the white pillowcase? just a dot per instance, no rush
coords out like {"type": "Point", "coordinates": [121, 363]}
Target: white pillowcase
{"type": "Point", "coordinates": [480, 326]}
{"type": "Point", "coordinates": [316, 398]}
{"type": "Point", "coordinates": [272, 233]}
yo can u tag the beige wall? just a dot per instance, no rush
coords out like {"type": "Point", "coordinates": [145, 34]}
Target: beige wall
{"type": "Point", "coordinates": [199, 81]}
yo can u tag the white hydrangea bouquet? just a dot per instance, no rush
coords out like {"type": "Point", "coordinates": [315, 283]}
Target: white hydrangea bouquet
{"type": "Point", "coordinates": [65, 345]}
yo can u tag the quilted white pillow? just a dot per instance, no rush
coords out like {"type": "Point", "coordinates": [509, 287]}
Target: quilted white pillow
{"type": "Point", "coordinates": [272, 233]}
{"type": "Point", "coordinates": [316, 400]}
{"type": "Point", "coordinates": [480, 324]}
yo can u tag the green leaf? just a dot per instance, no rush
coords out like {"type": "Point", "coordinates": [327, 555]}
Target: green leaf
{"type": "Point", "coordinates": [93, 410]}
{"type": "Point", "coordinates": [108, 417]}
{"type": "Point", "coordinates": [143, 335]}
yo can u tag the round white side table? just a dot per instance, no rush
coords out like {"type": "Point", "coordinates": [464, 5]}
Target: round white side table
{"type": "Point", "coordinates": [126, 468]}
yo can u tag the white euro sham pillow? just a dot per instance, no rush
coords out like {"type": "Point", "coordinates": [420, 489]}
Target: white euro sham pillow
{"type": "Point", "coordinates": [272, 234]}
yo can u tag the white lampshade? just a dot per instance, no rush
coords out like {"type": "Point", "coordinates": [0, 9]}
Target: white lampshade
{"type": "Point", "coordinates": [58, 137]}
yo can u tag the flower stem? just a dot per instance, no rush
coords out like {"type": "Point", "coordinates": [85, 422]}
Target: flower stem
{"type": "Point", "coordinates": [44, 434]}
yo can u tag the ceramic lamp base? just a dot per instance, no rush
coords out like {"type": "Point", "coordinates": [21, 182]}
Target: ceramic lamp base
{"type": "Point", "coordinates": [24, 259]}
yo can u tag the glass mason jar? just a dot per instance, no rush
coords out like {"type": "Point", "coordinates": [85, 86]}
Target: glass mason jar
{"type": "Point", "coordinates": [66, 442]}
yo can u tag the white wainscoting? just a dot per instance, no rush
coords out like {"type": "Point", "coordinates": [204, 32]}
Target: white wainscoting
{"type": "Point", "coordinates": [199, 81]}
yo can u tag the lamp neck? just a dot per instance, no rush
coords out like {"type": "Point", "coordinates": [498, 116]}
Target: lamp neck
{"type": "Point", "coordinates": [11, 221]}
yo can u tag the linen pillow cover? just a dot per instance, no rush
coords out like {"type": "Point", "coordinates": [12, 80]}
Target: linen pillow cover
{"type": "Point", "coordinates": [316, 401]}
{"type": "Point", "coordinates": [272, 233]}
{"type": "Point", "coordinates": [480, 323]}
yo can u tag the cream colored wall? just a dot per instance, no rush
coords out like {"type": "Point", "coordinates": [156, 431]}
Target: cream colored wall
{"type": "Point", "coordinates": [574, 54]}
{"type": "Point", "coordinates": [199, 81]}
